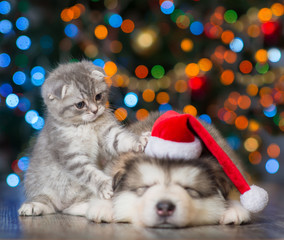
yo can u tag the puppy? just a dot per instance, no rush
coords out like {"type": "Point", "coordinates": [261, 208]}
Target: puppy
{"type": "Point", "coordinates": [153, 192]}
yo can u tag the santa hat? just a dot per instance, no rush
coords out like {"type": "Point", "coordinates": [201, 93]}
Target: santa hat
{"type": "Point", "coordinates": [171, 137]}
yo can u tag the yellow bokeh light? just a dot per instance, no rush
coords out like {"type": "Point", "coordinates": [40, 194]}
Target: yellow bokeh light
{"type": "Point", "coordinates": [110, 68]}
{"type": "Point", "coordinates": [277, 9]}
{"type": "Point", "coordinates": [251, 144]}
{"type": "Point", "coordinates": [120, 114]}
{"type": "Point", "coordinates": [186, 45]}
{"type": "Point", "coordinates": [162, 98]}
{"type": "Point", "coordinates": [261, 56]}
{"type": "Point", "coordinates": [253, 31]}
{"type": "Point", "coordinates": [252, 89]}
{"type": "Point", "coordinates": [264, 14]}
{"type": "Point", "coordinates": [142, 114]}
{"type": "Point", "coordinates": [205, 64]}
{"type": "Point", "coordinates": [180, 86]}
{"type": "Point", "coordinates": [101, 32]}
{"type": "Point", "coordinates": [148, 95]}
{"type": "Point", "coordinates": [253, 126]}
{"type": "Point", "coordinates": [192, 70]}
{"type": "Point", "coordinates": [190, 109]}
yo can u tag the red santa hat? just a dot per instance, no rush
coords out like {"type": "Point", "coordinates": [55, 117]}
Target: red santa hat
{"type": "Point", "coordinates": [171, 137]}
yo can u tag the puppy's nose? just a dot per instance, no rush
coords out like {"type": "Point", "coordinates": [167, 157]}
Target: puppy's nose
{"type": "Point", "coordinates": [165, 208]}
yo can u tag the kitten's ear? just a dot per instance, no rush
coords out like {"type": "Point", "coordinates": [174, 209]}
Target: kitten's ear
{"type": "Point", "coordinates": [98, 74]}
{"type": "Point", "coordinates": [54, 90]}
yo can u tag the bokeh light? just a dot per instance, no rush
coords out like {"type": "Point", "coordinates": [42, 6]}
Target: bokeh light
{"type": "Point", "coordinates": [101, 32]}
{"type": "Point", "coordinates": [186, 45]}
{"type": "Point", "coordinates": [190, 109]}
{"type": "Point", "coordinates": [206, 118]}
{"type": "Point", "coordinates": [255, 157]}
{"type": "Point", "coordinates": [261, 55]}
{"type": "Point", "coordinates": [272, 166]}
{"type": "Point", "coordinates": [13, 180]}
{"type": "Point", "coordinates": [157, 71]}
{"type": "Point", "coordinates": [24, 104]}
{"type": "Point", "coordinates": [23, 42]}
{"type": "Point", "coordinates": [181, 86]}
{"type": "Point", "coordinates": [6, 89]}
{"type": "Point", "coordinates": [273, 150]}
{"type": "Point", "coordinates": [245, 66]}
{"type": "Point", "coordinates": [141, 71]}
{"type": "Point", "coordinates": [115, 20]}
{"type": "Point", "coordinates": [22, 23]}
{"type": "Point", "coordinates": [165, 107]}
{"type": "Point", "coordinates": [127, 26]}
{"type": "Point", "coordinates": [196, 28]}
{"type": "Point", "coordinates": [23, 163]}
{"type": "Point", "coordinates": [38, 124]}
{"type": "Point", "coordinates": [131, 99]}
{"type": "Point", "coordinates": [110, 68]}
{"type": "Point", "coordinates": [227, 36]}
{"type": "Point", "coordinates": [205, 64]}
{"type": "Point", "coordinates": [142, 114]}
{"type": "Point", "coordinates": [230, 16]}
{"type": "Point", "coordinates": [162, 98]}
{"type": "Point", "coordinates": [120, 114]}
{"type": "Point", "coordinates": [274, 55]}
{"type": "Point", "coordinates": [227, 77]}
{"type": "Point", "coordinates": [192, 69]}
{"type": "Point", "coordinates": [71, 30]}
{"type": "Point", "coordinates": [12, 100]}
{"type": "Point", "coordinates": [148, 95]}
{"type": "Point", "coordinates": [270, 111]}
{"type": "Point", "coordinates": [241, 122]}
{"type": "Point", "coordinates": [237, 44]}
{"type": "Point", "coordinates": [251, 144]}
{"type": "Point", "coordinates": [19, 78]}
{"type": "Point", "coordinates": [31, 116]}
{"type": "Point", "coordinates": [5, 26]}
{"type": "Point", "coordinates": [264, 14]}
{"type": "Point", "coordinates": [99, 62]}
{"type": "Point", "coordinates": [5, 7]}
{"type": "Point", "coordinates": [167, 7]}
{"type": "Point", "coordinates": [4, 60]}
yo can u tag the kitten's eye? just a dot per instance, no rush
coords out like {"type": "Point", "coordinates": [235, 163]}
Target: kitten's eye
{"type": "Point", "coordinates": [99, 97]}
{"type": "Point", "coordinates": [80, 105]}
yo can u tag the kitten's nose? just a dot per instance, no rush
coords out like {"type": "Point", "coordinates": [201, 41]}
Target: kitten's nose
{"type": "Point", "coordinates": [93, 108]}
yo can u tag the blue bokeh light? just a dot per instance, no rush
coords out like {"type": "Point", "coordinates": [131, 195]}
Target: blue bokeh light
{"type": "Point", "coordinates": [6, 89]}
{"type": "Point", "coordinates": [23, 163]}
{"type": "Point", "coordinates": [237, 44]}
{"type": "Point", "coordinates": [270, 111]}
{"type": "Point", "coordinates": [234, 142]}
{"type": "Point", "coordinates": [5, 7]}
{"type": "Point", "coordinates": [19, 78]}
{"type": "Point", "coordinates": [24, 104]}
{"type": "Point", "coordinates": [37, 69]}
{"type": "Point", "coordinates": [4, 60]}
{"type": "Point", "coordinates": [31, 116]}
{"type": "Point", "coordinates": [196, 28]}
{"type": "Point", "coordinates": [272, 166]}
{"type": "Point", "coordinates": [23, 42]}
{"type": "Point", "coordinates": [71, 30]}
{"type": "Point", "coordinates": [22, 23]}
{"type": "Point", "coordinates": [99, 62]}
{"type": "Point", "coordinates": [167, 7]}
{"type": "Point", "coordinates": [274, 55]}
{"type": "Point", "coordinates": [115, 20]}
{"type": "Point", "coordinates": [13, 180]}
{"type": "Point", "coordinates": [131, 99]}
{"type": "Point", "coordinates": [37, 79]}
{"type": "Point", "coordinates": [5, 26]}
{"type": "Point", "coordinates": [205, 118]}
{"type": "Point", "coordinates": [12, 100]}
{"type": "Point", "coordinates": [39, 124]}
{"type": "Point", "coordinates": [165, 107]}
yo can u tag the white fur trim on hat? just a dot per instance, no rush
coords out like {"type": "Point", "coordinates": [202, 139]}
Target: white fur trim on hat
{"type": "Point", "coordinates": [161, 148]}
{"type": "Point", "coordinates": [254, 199]}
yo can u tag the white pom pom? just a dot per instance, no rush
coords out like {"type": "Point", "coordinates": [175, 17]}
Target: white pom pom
{"type": "Point", "coordinates": [255, 199]}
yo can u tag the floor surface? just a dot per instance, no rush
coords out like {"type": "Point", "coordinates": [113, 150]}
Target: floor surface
{"type": "Point", "coordinates": [267, 225]}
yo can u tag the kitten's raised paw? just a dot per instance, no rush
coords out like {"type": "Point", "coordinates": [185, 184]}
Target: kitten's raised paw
{"type": "Point", "coordinates": [143, 140]}
{"type": "Point", "coordinates": [235, 214]}
{"type": "Point", "coordinates": [105, 189]}
{"type": "Point", "coordinates": [35, 209]}
{"type": "Point", "coordinates": [100, 211]}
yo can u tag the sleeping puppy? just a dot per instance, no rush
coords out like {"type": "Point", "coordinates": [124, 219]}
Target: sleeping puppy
{"type": "Point", "coordinates": [153, 192]}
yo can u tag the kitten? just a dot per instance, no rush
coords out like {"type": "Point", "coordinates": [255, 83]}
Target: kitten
{"type": "Point", "coordinates": [64, 172]}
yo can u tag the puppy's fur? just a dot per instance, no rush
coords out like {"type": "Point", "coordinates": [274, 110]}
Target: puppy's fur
{"type": "Point", "coordinates": [154, 192]}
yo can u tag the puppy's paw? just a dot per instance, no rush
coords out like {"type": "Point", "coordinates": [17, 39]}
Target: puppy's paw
{"type": "Point", "coordinates": [105, 190]}
{"type": "Point", "coordinates": [100, 211]}
{"type": "Point", "coordinates": [35, 209]}
{"type": "Point", "coordinates": [235, 214]}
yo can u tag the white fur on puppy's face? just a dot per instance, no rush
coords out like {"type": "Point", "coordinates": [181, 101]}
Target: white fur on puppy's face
{"type": "Point", "coordinates": [185, 187]}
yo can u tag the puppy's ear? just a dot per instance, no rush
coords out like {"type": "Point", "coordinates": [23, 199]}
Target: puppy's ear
{"type": "Point", "coordinates": [118, 179]}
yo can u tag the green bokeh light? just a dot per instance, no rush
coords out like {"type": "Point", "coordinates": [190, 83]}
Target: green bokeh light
{"type": "Point", "coordinates": [262, 68]}
{"type": "Point", "coordinates": [230, 16]}
{"type": "Point", "coordinates": [158, 71]}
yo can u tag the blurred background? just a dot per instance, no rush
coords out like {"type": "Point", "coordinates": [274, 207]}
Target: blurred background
{"type": "Point", "coordinates": [219, 60]}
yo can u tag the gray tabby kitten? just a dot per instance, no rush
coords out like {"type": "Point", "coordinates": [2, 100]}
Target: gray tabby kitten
{"type": "Point", "coordinates": [64, 172]}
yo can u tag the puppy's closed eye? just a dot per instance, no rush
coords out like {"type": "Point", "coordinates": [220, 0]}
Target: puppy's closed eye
{"type": "Point", "coordinates": [141, 190]}
{"type": "Point", "coordinates": [192, 192]}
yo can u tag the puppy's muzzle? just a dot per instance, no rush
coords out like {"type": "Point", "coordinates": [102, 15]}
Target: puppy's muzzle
{"type": "Point", "coordinates": [165, 208]}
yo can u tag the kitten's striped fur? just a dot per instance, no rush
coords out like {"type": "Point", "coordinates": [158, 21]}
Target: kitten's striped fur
{"type": "Point", "coordinates": [80, 135]}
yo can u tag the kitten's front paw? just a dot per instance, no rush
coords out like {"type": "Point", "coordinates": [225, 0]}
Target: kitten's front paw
{"type": "Point", "coordinates": [105, 189]}
{"type": "Point", "coordinates": [143, 140]}
{"type": "Point", "coordinates": [35, 209]}
{"type": "Point", "coordinates": [235, 214]}
{"type": "Point", "coordinates": [100, 211]}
